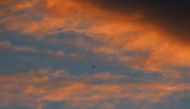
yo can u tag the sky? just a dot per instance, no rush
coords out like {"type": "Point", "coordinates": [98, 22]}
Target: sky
{"type": "Point", "coordinates": [94, 54]}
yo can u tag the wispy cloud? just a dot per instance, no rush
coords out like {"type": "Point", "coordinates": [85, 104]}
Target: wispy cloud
{"type": "Point", "coordinates": [57, 54]}
{"type": "Point", "coordinates": [37, 87]}
{"type": "Point", "coordinates": [6, 45]}
{"type": "Point", "coordinates": [63, 54]}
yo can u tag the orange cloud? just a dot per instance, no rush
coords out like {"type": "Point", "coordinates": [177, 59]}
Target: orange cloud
{"type": "Point", "coordinates": [38, 87]}
{"type": "Point", "coordinates": [127, 39]}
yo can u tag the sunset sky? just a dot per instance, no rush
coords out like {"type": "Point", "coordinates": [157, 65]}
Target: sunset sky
{"type": "Point", "coordinates": [94, 54]}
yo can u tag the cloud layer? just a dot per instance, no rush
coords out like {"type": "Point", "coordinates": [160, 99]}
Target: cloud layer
{"type": "Point", "coordinates": [38, 87]}
{"type": "Point", "coordinates": [130, 38]}
{"type": "Point", "coordinates": [146, 36]}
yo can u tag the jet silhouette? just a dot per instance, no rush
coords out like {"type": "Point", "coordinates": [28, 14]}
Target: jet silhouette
{"type": "Point", "coordinates": [93, 66]}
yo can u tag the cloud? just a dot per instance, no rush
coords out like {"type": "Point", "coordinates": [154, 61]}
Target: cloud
{"type": "Point", "coordinates": [8, 46]}
{"type": "Point", "coordinates": [62, 54]}
{"type": "Point", "coordinates": [140, 36]}
{"type": "Point", "coordinates": [174, 19]}
{"type": "Point", "coordinates": [57, 54]}
{"type": "Point", "coordinates": [38, 87]}
{"type": "Point", "coordinates": [75, 56]}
